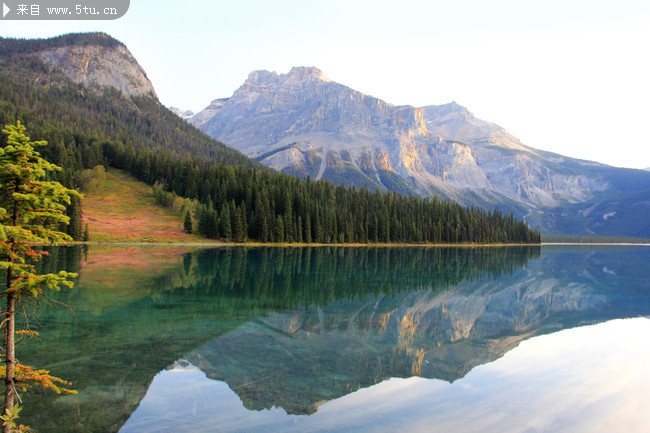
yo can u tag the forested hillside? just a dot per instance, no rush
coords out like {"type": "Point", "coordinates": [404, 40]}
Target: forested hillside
{"type": "Point", "coordinates": [236, 198]}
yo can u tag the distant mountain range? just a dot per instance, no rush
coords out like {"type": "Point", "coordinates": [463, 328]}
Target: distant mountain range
{"type": "Point", "coordinates": [94, 105]}
{"type": "Point", "coordinates": [305, 124]}
{"type": "Point", "coordinates": [183, 114]}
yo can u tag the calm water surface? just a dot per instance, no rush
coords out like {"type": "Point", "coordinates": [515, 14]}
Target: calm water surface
{"type": "Point", "coordinates": [166, 339]}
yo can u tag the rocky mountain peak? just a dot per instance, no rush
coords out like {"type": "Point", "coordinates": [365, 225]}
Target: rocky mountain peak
{"type": "Point", "coordinates": [453, 109]}
{"type": "Point", "coordinates": [261, 77]}
{"type": "Point", "coordinates": [297, 74]}
{"type": "Point", "coordinates": [304, 106]}
{"type": "Point", "coordinates": [93, 59]}
{"type": "Point", "coordinates": [305, 73]}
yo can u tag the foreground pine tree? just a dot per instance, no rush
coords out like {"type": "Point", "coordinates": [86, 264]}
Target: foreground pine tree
{"type": "Point", "coordinates": [31, 210]}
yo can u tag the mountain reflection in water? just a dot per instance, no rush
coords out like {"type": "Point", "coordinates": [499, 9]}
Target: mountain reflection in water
{"type": "Point", "coordinates": [294, 328]}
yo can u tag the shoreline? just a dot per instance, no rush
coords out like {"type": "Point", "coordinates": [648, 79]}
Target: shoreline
{"type": "Point", "coordinates": [348, 245]}
{"type": "Point", "coordinates": [295, 244]}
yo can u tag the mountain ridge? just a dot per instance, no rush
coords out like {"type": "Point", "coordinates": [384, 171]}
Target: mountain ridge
{"type": "Point", "coordinates": [304, 124]}
{"type": "Point", "coordinates": [310, 113]}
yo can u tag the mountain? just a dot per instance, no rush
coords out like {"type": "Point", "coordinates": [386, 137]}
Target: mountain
{"type": "Point", "coordinates": [304, 124]}
{"type": "Point", "coordinates": [95, 60]}
{"type": "Point", "coordinates": [89, 122]}
{"type": "Point", "coordinates": [82, 89]}
{"type": "Point", "coordinates": [87, 97]}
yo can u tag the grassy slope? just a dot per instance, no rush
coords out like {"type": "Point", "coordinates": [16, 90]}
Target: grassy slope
{"type": "Point", "coordinates": [123, 210]}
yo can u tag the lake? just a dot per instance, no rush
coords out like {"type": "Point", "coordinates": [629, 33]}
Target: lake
{"type": "Point", "coordinates": [329, 339]}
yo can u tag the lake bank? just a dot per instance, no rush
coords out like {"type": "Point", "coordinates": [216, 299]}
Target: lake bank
{"type": "Point", "coordinates": [209, 243]}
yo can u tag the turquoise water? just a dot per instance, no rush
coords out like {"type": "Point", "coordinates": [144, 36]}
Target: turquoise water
{"type": "Point", "coordinates": [166, 339]}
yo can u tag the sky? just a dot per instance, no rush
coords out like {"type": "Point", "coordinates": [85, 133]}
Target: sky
{"type": "Point", "coordinates": [567, 76]}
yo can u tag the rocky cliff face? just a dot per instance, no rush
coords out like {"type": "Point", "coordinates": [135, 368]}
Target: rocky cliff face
{"type": "Point", "coordinates": [457, 123]}
{"type": "Point", "coordinates": [304, 124]}
{"type": "Point", "coordinates": [95, 60]}
{"type": "Point", "coordinates": [97, 66]}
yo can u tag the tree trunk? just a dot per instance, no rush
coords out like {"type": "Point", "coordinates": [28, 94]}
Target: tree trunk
{"type": "Point", "coordinates": [10, 343]}
{"type": "Point", "coordinates": [10, 386]}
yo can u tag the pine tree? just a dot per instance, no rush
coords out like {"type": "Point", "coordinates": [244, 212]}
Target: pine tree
{"type": "Point", "coordinates": [288, 219]}
{"type": "Point", "coordinates": [307, 236]}
{"type": "Point", "coordinates": [278, 230]}
{"type": "Point", "coordinates": [203, 223]}
{"type": "Point", "coordinates": [86, 236]}
{"type": "Point", "coordinates": [74, 213]}
{"type": "Point", "coordinates": [187, 224]}
{"type": "Point", "coordinates": [299, 230]}
{"type": "Point", "coordinates": [251, 227]}
{"type": "Point", "coordinates": [237, 226]}
{"type": "Point", "coordinates": [226, 227]}
{"type": "Point", "coordinates": [244, 223]}
{"type": "Point", "coordinates": [31, 211]}
{"type": "Point", "coordinates": [215, 229]}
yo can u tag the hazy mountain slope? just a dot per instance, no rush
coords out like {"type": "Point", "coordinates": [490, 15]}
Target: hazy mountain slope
{"type": "Point", "coordinates": [625, 214]}
{"type": "Point", "coordinates": [304, 124]}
